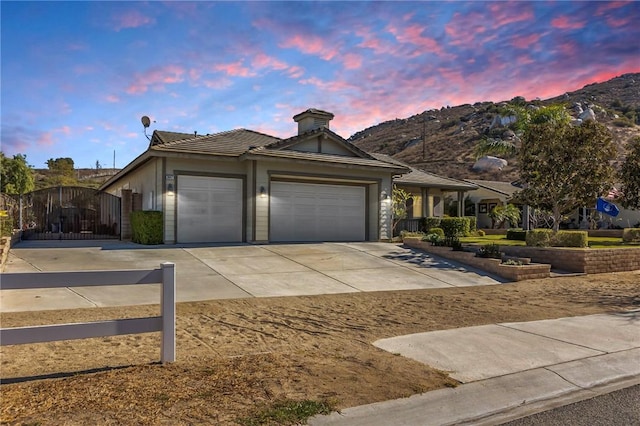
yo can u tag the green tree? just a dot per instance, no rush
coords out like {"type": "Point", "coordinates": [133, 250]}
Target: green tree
{"type": "Point", "coordinates": [61, 172]}
{"type": "Point", "coordinates": [563, 167]}
{"type": "Point", "coordinates": [629, 175]}
{"type": "Point", "coordinates": [16, 175]}
{"type": "Point", "coordinates": [504, 214]}
{"type": "Point", "coordinates": [399, 204]}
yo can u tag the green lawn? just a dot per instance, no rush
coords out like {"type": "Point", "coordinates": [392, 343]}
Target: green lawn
{"type": "Point", "coordinates": [594, 242]}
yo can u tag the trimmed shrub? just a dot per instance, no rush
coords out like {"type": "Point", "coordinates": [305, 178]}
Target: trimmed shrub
{"type": "Point", "coordinates": [430, 222]}
{"type": "Point", "coordinates": [146, 227]}
{"type": "Point", "coordinates": [437, 231]}
{"type": "Point", "coordinates": [516, 234]}
{"type": "Point", "coordinates": [570, 239]}
{"type": "Point", "coordinates": [631, 235]}
{"type": "Point", "coordinates": [473, 223]}
{"type": "Point", "coordinates": [455, 226]}
{"type": "Point", "coordinates": [539, 237]}
{"type": "Point", "coordinates": [489, 251]}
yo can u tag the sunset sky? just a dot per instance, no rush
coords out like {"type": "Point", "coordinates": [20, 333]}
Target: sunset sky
{"type": "Point", "coordinates": [77, 76]}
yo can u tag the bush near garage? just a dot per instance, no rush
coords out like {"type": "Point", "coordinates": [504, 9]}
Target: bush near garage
{"type": "Point", "coordinates": [631, 235]}
{"type": "Point", "coordinates": [146, 227]}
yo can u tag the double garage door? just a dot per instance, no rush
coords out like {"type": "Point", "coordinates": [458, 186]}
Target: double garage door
{"type": "Point", "coordinates": [316, 212]}
{"type": "Point", "coordinates": [210, 209]}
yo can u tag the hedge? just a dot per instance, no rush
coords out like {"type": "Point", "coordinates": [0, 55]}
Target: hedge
{"type": "Point", "coordinates": [438, 231]}
{"type": "Point", "coordinates": [455, 226]}
{"type": "Point", "coordinates": [430, 222]}
{"type": "Point", "coordinates": [539, 237]}
{"type": "Point", "coordinates": [631, 235]}
{"type": "Point", "coordinates": [473, 223]}
{"type": "Point", "coordinates": [571, 239]}
{"type": "Point", "coordinates": [517, 234]}
{"type": "Point", "coordinates": [546, 238]}
{"type": "Point", "coordinates": [146, 227]}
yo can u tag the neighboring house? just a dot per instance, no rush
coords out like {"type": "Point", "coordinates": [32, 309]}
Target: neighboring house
{"type": "Point", "coordinates": [494, 193]}
{"type": "Point", "coordinates": [489, 194]}
{"type": "Point", "coordinates": [245, 186]}
{"type": "Point", "coordinates": [428, 190]}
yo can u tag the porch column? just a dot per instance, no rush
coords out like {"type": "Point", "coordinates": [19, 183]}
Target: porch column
{"type": "Point", "coordinates": [460, 203]}
{"type": "Point", "coordinates": [423, 207]}
{"type": "Point", "coordinates": [428, 203]}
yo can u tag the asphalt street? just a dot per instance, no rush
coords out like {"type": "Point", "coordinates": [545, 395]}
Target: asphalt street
{"type": "Point", "coordinates": [619, 408]}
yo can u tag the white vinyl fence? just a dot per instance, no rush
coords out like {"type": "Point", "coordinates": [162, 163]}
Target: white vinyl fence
{"type": "Point", "coordinates": [166, 322]}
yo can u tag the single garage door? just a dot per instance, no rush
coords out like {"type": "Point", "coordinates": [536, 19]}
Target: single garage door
{"type": "Point", "coordinates": [317, 212]}
{"type": "Point", "coordinates": [209, 209]}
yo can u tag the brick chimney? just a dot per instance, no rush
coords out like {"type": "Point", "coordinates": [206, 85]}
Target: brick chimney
{"type": "Point", "coordinates": [312, 119]}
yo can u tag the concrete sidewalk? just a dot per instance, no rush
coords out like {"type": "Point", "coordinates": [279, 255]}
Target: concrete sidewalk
{"type": "Point", "coordinates": [509, 370]}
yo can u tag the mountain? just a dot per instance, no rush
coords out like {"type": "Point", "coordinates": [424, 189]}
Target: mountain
{"type": "Point", "coordinates": [452, 133]}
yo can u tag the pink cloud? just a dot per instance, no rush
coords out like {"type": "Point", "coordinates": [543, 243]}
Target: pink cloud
{"type": "Point", "coordinates": [234, 69]}
{"type": "Point", "coordinates": [618, 22]}
{"type": "Point", "coordinates": [564, 23]}
{"type": "Point", "coordinates": [509, 13]}
{"type": "Point", "coordinates": [525, 42]}
{"type": "Point", "coordinates": [352, 61]}
{"type": "Point", "coordinates": [45, 139]}
{"type": "Point", "coordinates": [262, 60]}
{"type": "Point", "coordinates": [413, 34]}
{"type": "Point", "coordinates": [112, 99]}
{"type": "Point", "coordinates": [329, 86]}
{"type": "Point", "coordinates": [156, 77]}
{"type": "Point", "coordinates": [463, 29]}
{"type": "Point", "coordinates": [131, 19]}
{"type": "Point", "coordinates": [607, 6]}
{"type": "Point", "coordinates": [311, 45]}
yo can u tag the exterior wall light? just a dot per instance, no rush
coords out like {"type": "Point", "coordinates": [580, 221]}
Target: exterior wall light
{"type": "Point", "coordinates": [263, 192]}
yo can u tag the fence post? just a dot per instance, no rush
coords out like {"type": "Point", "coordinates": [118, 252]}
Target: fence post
{"type": "Point", "coordinates": [168, 312]}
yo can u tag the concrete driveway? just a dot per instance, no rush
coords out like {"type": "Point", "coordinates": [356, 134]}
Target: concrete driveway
{"type": "Point", "coordinates": [232, 271]}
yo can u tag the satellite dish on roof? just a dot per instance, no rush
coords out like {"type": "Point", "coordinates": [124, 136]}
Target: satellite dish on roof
{"type": "Point", "coordinates": [146, 122]}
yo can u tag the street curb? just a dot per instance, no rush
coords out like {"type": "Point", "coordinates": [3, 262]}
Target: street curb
{"type": "Point", "coordinates": [499, 399]}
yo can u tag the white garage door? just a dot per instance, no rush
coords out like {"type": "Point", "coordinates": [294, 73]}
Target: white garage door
{"type": "Point", "coordinates": [209, 209]}
{"type": "Point", "coordinates": [317, 212]}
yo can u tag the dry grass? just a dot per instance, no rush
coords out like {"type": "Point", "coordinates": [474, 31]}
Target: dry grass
{"type": "Point", "coordinates": [237, 358]}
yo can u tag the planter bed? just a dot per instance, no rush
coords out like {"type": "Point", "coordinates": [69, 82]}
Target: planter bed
{"type": "Point", "coordinates": [585, 260]}
{"type": "Point", "coordinates": [494, 266]}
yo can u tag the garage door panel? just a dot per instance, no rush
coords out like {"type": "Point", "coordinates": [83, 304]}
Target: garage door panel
{"type": "Point", "coordinates": [317, 212]}
{"type": "Point", "coordinates": [209, 209]}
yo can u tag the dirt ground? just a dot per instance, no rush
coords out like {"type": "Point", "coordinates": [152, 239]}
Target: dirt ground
{"type": "Point", "coordinates": [235, 356]}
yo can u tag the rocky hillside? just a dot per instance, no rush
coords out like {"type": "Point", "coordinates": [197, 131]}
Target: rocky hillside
{"type": "Point", "coordinates": [452, 133]}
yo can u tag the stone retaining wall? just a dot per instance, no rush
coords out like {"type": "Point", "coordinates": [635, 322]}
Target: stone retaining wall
{"type": "Point", "coordinates": [494, 266]}
{"type": "Point", "coordinates": [587, 260]}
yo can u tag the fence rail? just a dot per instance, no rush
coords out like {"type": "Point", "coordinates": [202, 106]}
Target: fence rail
{"type": "Point", "coordinates": [166, 322]}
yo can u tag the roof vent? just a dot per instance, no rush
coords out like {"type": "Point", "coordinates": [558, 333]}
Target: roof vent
{"type": "Point", "coordinates": [312, 119]}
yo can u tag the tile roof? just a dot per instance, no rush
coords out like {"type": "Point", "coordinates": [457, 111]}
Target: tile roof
{"type": "Point", "coordinates": [506, 188]}
{"type": "Point", "coordinates": [283, 143]}
{"type": "Point", "coordinates": [233, 142]}
{"type": "Point", "coordinates": [425, 179]}
{"type": "Point", "coordinates": [334, 159]}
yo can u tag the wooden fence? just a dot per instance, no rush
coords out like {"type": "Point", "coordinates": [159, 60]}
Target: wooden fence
{"type": "Point", "coordinates": [166, 322]}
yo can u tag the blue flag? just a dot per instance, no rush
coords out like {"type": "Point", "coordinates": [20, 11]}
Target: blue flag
{"type": "Point", "coordinates": [607, 208]}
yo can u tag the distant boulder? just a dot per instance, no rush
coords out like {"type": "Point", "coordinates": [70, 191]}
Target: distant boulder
{"type": "Point", "coordinates": [587, 114]}
{"type": "Point", "coordinates": [489, 164]}
{"type": "Point", "coordinates": [576, 122]}
{"type": "Point", "coordinates": [502, 121]}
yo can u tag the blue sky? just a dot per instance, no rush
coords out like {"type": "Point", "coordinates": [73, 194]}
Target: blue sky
{"type": "Point", "coordinates": [77, 76]}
